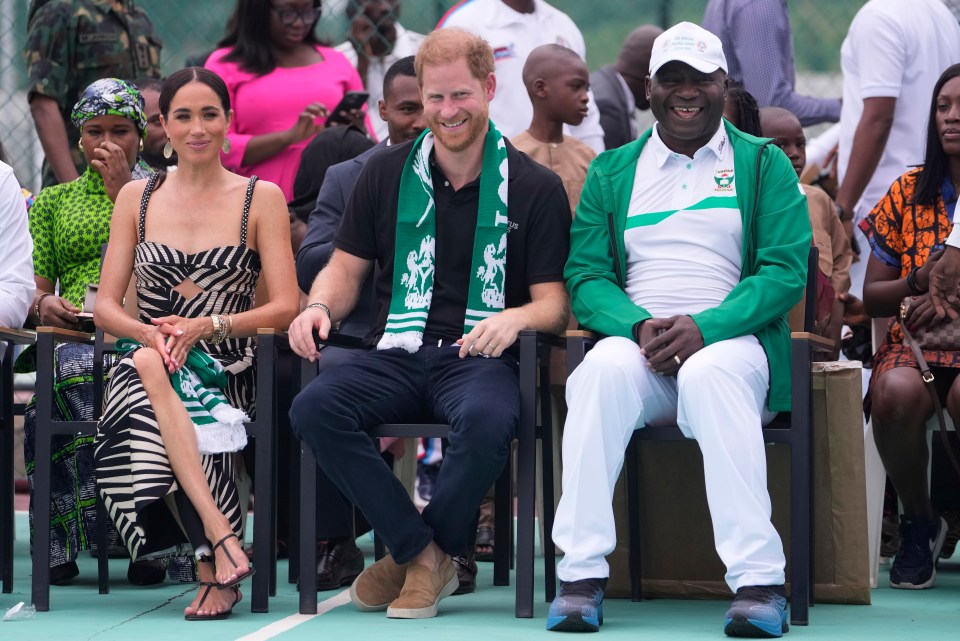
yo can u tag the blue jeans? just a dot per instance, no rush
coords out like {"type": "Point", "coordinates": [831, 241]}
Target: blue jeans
{"type": "Point", "coordinates": [478, 397]}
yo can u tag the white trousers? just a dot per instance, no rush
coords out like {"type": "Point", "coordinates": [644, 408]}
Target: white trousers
{"type": "Point", "coordinates": [718, 398]}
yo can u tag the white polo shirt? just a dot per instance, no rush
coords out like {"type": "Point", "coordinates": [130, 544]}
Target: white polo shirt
{"type": "Point", "coordinates": [407, 44]}
{"type": "Point", "coordinates": [894, 49]}
{"type": "Point", "coordinates": [684, 231]}
{"type": "Point", "coordinates": [513, 36]}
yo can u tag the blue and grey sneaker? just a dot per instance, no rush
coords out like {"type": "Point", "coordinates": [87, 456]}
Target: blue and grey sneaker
{"type": "Point", "coordinates": [578, 607]}
{"type": "Point", "coordinates": [758, 611]}
{"type": "Point", "coordinates": [915, 566]}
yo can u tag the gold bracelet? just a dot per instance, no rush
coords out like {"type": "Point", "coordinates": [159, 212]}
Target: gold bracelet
{"type": "Point", "coordinates": [36, 306]}
{"type": "Point", "coordinates": [229, 326]}
{"type": "Point", "coordinates": [218, 329]}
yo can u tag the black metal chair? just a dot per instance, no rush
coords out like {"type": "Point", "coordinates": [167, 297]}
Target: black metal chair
{"type": "Point", "coordinates": [534, 360]}
{"type": "Point", "coordinates": [794, 429]}
{"type": "Point", "coordinates": [262, 430]}
{"type": "Point", "coordinates": [8, 410]}
{"type": "Point", "coordinates": [46, 429]}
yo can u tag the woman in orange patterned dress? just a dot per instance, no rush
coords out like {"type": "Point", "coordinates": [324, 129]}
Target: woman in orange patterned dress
{"type": "Point", "coordinates": [907, 230]}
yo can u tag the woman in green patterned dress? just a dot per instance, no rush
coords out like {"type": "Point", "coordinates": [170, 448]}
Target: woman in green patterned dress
{"type": "Point", "coordinates": [69, 224]}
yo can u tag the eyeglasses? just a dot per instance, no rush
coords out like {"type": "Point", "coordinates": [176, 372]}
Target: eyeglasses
{"type": "Point", "coordinates": [288, 16]}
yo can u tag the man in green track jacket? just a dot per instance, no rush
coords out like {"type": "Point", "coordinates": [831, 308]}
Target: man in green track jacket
{"type": "Point", "coordinates": [688, 249]}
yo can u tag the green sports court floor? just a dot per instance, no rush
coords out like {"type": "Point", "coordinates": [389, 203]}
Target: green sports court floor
{"type": "Point", "coordinates": [144, 614]}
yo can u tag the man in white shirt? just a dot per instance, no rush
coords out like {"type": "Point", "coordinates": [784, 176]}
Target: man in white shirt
{"type": "Point", "coordinates": [514, 28]}
{"type": "Point", "coordinates": [891, 58]}
{"type": "Point", "coordinates": [16, 252]}
{"type": "Point", "coordinates": [376, 41]}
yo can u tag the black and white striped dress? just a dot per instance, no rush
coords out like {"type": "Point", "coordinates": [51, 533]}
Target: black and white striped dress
{"type": "Point", "coordinates": [133, 471]}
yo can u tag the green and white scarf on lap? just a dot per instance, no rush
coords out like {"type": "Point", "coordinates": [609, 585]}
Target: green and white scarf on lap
{"type": "Point", "coordinates": [218, 425]}
{"type": "Point", "coordinates": [415, 251]}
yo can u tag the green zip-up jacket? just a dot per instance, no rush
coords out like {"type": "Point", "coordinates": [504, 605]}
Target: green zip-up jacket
{"type": "Point", "coordinates": [776, 243]}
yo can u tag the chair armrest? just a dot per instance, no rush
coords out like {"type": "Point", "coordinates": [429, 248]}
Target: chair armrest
{"type": "Point", "coordinates": [545, 339]}
{"type": "Point", "coordinates": [817, 343]}
{"type": "Point", "coordinates": [279, 335]}
{"type": "Point", "coordinates": [579, 342]}
{"type": "Point", "coordinates": [336, 339]}
{"type": "Point", "coordinates": [17, 336]}
{"type": "Point", "coordinates": [583, 333]}
{"type": "Point", "coordinates": [66, 335]}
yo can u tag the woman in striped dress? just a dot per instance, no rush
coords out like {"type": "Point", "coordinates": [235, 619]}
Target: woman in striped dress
{"type": "Point", "coordinates": [196, 240]}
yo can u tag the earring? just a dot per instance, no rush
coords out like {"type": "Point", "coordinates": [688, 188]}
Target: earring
{"type": "Point", "coordinates": [226, 146]}
{"type": "Point", "coordinates": [167, 150]}
{"type": "Point", "coordinates": [80, 144]}
{"type": "Point", "coordinates": [141, 144]}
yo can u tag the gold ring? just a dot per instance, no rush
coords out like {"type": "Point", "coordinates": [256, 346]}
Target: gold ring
{"type": "Point", "coordinates": [677, 358]}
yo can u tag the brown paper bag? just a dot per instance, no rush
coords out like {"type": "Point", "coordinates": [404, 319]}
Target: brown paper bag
{"type": "Point", "coordinates": [678, 554]}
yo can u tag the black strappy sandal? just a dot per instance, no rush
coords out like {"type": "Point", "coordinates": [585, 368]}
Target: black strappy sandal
{"type": "Point", "coordinates": [209, 585]}
{"type": "Point", "coordinates": [250, 568]}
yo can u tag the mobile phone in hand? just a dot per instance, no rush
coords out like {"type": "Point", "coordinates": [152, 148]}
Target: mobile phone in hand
{"type": "Point", "coordinates": [350, 101]}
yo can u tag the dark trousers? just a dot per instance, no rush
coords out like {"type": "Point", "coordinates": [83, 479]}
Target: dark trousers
{"type": "Point", "coordinates": [478, 397]}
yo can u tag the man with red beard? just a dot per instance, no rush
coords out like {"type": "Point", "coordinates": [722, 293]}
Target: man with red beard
{"type": "Point", "coordinates": [470, 237]}
{"type": "Point", "coordinates": [689, 248]}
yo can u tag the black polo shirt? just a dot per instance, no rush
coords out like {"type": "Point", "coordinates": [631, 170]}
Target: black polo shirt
{"type": "Point", "coordinates": [538, 239]}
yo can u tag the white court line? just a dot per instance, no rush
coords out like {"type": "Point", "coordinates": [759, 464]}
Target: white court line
{"type": "Point", "coordinates": [279, 627]}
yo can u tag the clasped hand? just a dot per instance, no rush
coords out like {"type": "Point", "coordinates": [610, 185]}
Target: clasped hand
{"type": "Point", "coordinates": [667, 343]}
{"type": "Point", "coordinates": [173, 337]}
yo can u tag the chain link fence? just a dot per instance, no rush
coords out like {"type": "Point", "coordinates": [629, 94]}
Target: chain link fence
{"type": "Point", "coordinates": [191, 27]}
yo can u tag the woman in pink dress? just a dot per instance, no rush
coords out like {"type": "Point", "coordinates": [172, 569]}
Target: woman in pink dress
{"type": "Point", "coordinates": [282, 82]}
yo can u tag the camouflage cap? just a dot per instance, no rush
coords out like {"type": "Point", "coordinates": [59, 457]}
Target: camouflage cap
{"type": "Point", "coordinates": [110, 97]}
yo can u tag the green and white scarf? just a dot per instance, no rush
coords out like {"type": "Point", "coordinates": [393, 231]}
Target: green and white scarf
{"type": "Point", "coordinates": [415, 251]}
{"type": "Point", "coordinates": [218, 425]}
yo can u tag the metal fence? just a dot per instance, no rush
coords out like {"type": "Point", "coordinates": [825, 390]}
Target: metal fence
{"type": "Point", "coordinates": [191, 27]}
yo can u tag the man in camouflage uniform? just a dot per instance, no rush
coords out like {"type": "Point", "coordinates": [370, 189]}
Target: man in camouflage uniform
{"type": "Point", "coordinates": [71, 43]}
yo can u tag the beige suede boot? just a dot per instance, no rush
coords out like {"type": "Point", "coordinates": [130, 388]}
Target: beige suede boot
{"type": "Point", "coordinates": [423, 590]}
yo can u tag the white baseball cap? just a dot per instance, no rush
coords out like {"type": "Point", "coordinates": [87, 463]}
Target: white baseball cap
{"type": "Point", "coordinates": [690, 44]}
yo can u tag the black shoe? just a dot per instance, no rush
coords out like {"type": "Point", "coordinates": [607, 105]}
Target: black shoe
{"type": "Point", "coordinates": [149, 572]}
{"type": "Point", "coordinates": [338, 564]}
{"type": "Point", "coordinates": [466, 573]}
{"type": "Point", "coordinates": [427, 474]}
{"type": "Point", "coordinates": [64, 573]}
{"type": "Point", "coordinates": [915, 566]}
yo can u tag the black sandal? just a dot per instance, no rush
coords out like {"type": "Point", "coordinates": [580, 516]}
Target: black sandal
{"type": "Point", "coordinates": [209, 585]}
{"type": "Point", "coordinates": [245, 575]}
{"type": "Point", "coordinates": [485, 539]}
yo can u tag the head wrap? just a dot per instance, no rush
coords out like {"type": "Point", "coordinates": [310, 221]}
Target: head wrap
{"type": "Point", "coordinates": [110, 97]}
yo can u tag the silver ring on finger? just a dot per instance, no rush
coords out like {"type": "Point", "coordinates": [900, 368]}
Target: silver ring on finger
{"type": "Point", "coordinates": [677, 359]}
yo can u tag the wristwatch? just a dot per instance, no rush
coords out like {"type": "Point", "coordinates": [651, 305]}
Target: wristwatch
{"type": "Point", "coordinates": [323, 307]}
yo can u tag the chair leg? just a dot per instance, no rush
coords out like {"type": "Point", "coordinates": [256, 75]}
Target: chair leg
{"type": "Point", "coordinates": [293, 545]}
{"type": "Point", "coordinates": [308, 531]}
{"type": "Point", "coordinates": [6, 470]}
{"type": "Point", "coordinates": [103, 556]}
{"type": "Point", "coordinates": [633, 511]}
{"type": "Point", "coordinates": [503, 524]}
{"type": "Point", "coordinates": [40, 589]}
{"type": "Point", "coordinates": [546, 474]}
{"type": "Point", "coordinates": [801, 491]}
{"type": "Point", "coordinates": [262, 541]}
{"type": "Point", "coordinates": [526, 476]}
{"type": "Point", "coordinates": [40, 592]}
